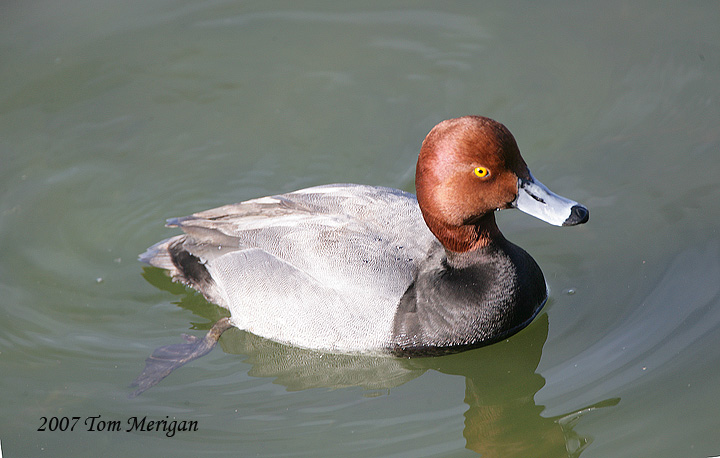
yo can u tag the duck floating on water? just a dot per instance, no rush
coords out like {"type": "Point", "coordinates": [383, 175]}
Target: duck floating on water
{"type": "Point", "coordinates": [349, 268]}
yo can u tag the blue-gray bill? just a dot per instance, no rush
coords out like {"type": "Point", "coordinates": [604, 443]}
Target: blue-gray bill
{"type": "Point", "coordinates": [535, 199]}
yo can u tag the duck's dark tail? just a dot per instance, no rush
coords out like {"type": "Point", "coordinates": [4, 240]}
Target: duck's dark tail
{"type": "Point", "coordinates": [166, 359]}
{"type": "Point", "coordinates": [176, 256]}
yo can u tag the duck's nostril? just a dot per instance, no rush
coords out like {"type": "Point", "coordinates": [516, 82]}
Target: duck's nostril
{"type": "Point", "coordinates": [578, 215]}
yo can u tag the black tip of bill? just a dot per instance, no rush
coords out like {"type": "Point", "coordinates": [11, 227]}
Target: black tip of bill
{"type": "Point", "coordinates": [578, 215]}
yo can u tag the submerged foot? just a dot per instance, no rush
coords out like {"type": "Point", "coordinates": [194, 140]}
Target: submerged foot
{"type": "Point", "coordinates": [166, 359]}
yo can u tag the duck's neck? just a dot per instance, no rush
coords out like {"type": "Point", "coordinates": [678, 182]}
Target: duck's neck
{"type": "Point", "coordinates": [468, 237]}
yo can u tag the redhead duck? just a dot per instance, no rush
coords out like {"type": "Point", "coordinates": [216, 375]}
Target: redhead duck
{"type": "Point", "coordinates": [350, 268]}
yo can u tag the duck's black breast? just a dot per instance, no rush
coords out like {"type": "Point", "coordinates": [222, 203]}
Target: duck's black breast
{"type": "Point", "coordinates": [461, 301]}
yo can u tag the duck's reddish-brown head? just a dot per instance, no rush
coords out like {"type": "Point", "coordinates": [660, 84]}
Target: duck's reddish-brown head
{"type": "Point", "coordinates": [471, 166]}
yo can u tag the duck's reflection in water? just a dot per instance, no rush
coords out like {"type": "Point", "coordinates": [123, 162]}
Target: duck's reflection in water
{"type": "Point", "coordinates": [502, 421]}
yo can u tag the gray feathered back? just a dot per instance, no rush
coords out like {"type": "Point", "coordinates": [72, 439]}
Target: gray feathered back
{"type": "Point", "coordinates": [323, 267]}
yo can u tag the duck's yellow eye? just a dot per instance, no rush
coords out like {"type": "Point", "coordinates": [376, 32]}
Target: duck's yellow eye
{"type": "Point", "coordinates": [482, 172]}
